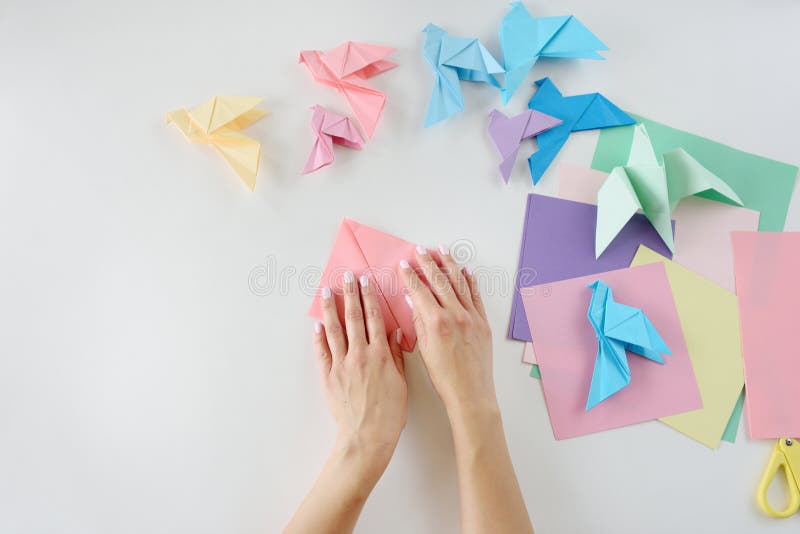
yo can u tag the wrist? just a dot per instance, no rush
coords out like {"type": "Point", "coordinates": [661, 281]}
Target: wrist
{"type": "Point", "coordinates": [474, 415]}
{"type": "Point", "coordinates": [367, 459]}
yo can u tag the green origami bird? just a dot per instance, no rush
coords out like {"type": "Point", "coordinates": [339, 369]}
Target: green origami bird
{"type": "Point", "coordinates": [645, 184]}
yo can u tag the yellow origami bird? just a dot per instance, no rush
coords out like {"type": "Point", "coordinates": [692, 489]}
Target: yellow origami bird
{"type": "Point", "coordinates": [217, 123]}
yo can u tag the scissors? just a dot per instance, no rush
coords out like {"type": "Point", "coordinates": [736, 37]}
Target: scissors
{"type": "Point", "coordinates": [786, 455]}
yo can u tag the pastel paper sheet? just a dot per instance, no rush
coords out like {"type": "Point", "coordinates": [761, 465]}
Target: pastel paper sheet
{"type": "Point", "coordinates": [454, 59]}
{"type": "Point", "coordinates": [566, 362]}
{"type": "Point", "coordinates": [346, 68]}
{"type": "Point", "coordinates": [329, 129]}
{"type": "Point", "coordinates": [524, 39]}
{"type": "Point", "coordinates": [558, 243]}
{"type": "Point", "coordinates": [767, 267]}
{"type": "Point", "coordinates": [619, 329]}
{"type": "Point", "coordinates": [364, 250]}
{"type": "Point", "coordinates": [702, 227]}
{"type": "Point", "coordinates": [652, 187]}
{"type": "Point", "coordinates": [218, 122]}
{"type": "Point", "coordinates": [528, 355]}
{"type": "Point", "coordinates": [581, 112]}
{"type": "Point", "coordinates": [508, 133]}
{"type": "Point", "coordinates": [763, 184]}
{"type": "Point", "coordinates": [709, 317]}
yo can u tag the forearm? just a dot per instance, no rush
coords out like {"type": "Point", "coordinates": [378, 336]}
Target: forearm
{"type": "Point", "coordinates": [491, 500]}
{"type": "Point", "coordinates": [335, 502]}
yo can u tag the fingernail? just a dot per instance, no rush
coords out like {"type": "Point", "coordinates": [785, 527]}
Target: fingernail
{"type": "Point", "coordinates": [326, 292]}
{"type": "Point", "coordinates": [443, 249]}
{"type": "Point", "coordinates": [348, 277]}
{"type": "Point", "coordinates": [404, 264]}
{"type": "Point", "coordinates": [408, 301]}
{"type": "Point", "coordinates": [468, 270]}
{"type": "Point", "coordinates": [421, 250]}
{"type": "Point", "coordinates": [317, 327]}
{"type": "Point", "coordinates": [398, 336]}
{"type": "Point", "coordinates": [363, 280]}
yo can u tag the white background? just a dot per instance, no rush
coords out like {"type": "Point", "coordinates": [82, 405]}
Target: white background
{"type": "Point", "coordinates": [144, 388]}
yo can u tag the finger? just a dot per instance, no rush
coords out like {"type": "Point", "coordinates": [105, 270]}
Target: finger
{"type": "Point", "coordinates": [418, 296]}
{"type": "Point", "coordinates": [457, 280]}
{"type": "Point", "coordinates": [437, 280]}
{"type": "Point", "coordinates": [373, 317]}
{"type": "Point", "coordinates": [333, 328]}
{"type": "Point", "coordinates": [472, 282]}
{"type": "Point", "coordinates": [397, 353]}
{"type": "Point", "coordinates": [324, 356]}
{"type": "Point", "coordinates": [353, 314]}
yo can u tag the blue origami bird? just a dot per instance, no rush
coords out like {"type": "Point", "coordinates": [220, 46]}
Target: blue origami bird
{"type": "Point", "coordinates": [524, 39]}
{"type": "Point", "coordinates": [618, 328]}
{"type": "Point", "coordinates": [453, 59]}
{"type": "Point", "coordinates": [581, 112]}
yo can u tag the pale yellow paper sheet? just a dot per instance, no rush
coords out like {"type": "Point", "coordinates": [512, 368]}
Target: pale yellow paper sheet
{"type": "Point", "coordinates": [709, 317]}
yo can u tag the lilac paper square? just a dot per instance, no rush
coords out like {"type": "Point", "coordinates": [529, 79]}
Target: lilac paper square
{"type": "Point", "coordinates": [558, 243]}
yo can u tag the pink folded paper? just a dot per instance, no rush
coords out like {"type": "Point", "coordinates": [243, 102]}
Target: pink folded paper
{"type": "Point", "coordinates": [346, 68]}
{"type": "Point", "coordinates": [330, 128]}
{"type": "Point", "coordinates": [767, 266]}
{"type": "Point", "coordinates": [566, 349]}
{"type": "Point", "coordinates": [702, 227]}
{"type": "Point", "coordinates": [364, 250]}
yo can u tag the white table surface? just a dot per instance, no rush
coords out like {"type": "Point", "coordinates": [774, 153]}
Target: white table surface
{"type": "Point", "coordinates": [147, 385]}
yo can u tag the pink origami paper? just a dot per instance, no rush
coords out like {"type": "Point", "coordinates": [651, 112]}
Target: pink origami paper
{"type": "Point", "coordinates": [566, 347]}
{"type": "Point", "coordinates": [767, 265]}
{"type": "Point", "coordinates": [528, 356]}
{"type": "Point", "coordinates": [364, 250]}
{"type": "Point", "coordinates": [330, 128]}
{"type": "Point", "coordinates": [509, 132]}
{"type": "Point", "coordinates": [702, 227]}
{"type": "Point", "coordinates": [346, 68]}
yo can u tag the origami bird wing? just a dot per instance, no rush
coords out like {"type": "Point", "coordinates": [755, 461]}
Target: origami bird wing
{"type": "Point", "coordinates": [617, 202]}
{"type": "Point", "coordinates": [445, 99]}
{"type": "Point", "coordinates": [367, 105]}
{"type": "Point", "coordinates": [358, 59]}
{"type": "Point", "coordinates": [508, 133]}
{"type": "Point", "coordinates": [342, 131]}
{"type": "Point", "coordinates": [599, 112]}
{"type": "Point", "coordinates": [472, 61]}
{"type": "Point", "coordinates": [242, 153]}
{"type": "Point", "coordinates": [330, 128]}
{"type": "Point", "coordinates": [569, 38]}
{"type": "Point", "coordinates": [631, 327]}
{"type": "Point", "coordinates": [686, 176]}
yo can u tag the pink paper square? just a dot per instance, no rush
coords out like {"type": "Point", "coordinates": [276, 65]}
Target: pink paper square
{"type": "Point", "coordinates": [566, 349]}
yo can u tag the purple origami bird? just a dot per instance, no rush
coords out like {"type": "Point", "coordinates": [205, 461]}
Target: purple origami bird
{"type": "Point", "coordinates": [330, 128]}
{"type": "Point", "coordinates": [508, 133]}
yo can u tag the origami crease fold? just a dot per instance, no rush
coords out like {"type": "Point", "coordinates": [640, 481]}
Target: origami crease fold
{"type": "Point", "coordinates": [645, 184]}
{"type": "Point", "coordinates": [330, 128]}
{"type": "Point", "coordinates": [218, 122]}
{"type": "Point", "coordinates": [618, 328]}
{"type": "Point", "coordinates": [508, 133]}
{"type": "Point", "coordinates": [345, 68]}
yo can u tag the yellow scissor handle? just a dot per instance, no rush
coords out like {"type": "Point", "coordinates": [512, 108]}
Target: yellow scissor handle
{"type": "Point", "coordinates": [786, 456]}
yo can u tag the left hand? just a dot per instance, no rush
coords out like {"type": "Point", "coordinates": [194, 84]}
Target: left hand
{"type": "Point", "coordinates": [363, 373]}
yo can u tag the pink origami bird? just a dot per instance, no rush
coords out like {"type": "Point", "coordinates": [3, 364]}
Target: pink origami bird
{"type": "Point", "coordinates": [330, 128]}
{"type": "Point", "coordinates": [346, 68]}
{"type": "Point", "coordinates": [508, 133]}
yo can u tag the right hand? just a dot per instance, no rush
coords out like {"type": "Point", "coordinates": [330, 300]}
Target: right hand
{"type": "Point", "coordinates": [455, 341]}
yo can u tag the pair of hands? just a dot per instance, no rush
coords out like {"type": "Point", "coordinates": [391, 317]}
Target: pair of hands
{"type": "Point", "coordinates": [362, 366]}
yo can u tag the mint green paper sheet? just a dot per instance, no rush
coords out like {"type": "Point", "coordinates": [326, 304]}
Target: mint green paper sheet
{"type": "Point", "coordinates": [535, 371]}
{"type": "Point", "coordinates": [733, 423]}
{"type": "Point", "coordinates": [763, 184]}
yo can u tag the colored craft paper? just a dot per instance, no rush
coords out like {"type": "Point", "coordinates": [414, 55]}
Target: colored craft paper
{"type": "Point", "coordinates": [535, 372]}
{"type": "Point", "coordinates": [528, 356]}
{"type": "Point", "coordinates": [702, 227]}
{"type": "Point", "coordinates": [709, 317]}
{"type": "Point", "coordinates": [364, 250]}
{"type": "Point", "coordinates": [453, 59]}
{"type": "Point", "coordinates": [346, 68]}
{"type": "Point", "coordinates": [652, 187]}
{"type": "Point", "coordinates": [733, 423]}
{"type": "Point", "coordinates": [764, 185]}
{"type": "Point", "coordinates": [578, 113]}
{"type": "Point", "coordinates": [524, 39]}
{"type": "Point", "coordinates": [566, 346]}
{"type": "Point", "coordinates": [218, 122]}
{"type": "Point", "coordinates": [767, 267]}
{"type": "Point", "coordinates": [507, 134]}
{"type": "Point", "coordinates": [619, 329]}
{"type": "Point", "coordinates": [558, 243]}
{"type": "Point", "coordinates": [330, 128]}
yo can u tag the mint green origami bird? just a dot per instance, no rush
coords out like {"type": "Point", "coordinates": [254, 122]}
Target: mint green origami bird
{"type": "Point", "coordinates": [645, 184]}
